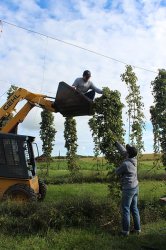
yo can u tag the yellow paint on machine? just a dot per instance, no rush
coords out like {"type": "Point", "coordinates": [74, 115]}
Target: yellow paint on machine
{"type": "Point", "coordinates": [6, 183]}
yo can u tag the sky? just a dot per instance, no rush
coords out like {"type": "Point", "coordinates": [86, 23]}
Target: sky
{"type": "Point", "coordinates": [130, 31]}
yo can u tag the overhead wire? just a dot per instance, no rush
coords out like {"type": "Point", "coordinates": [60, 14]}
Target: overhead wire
{"type": "Point", "coordinates": [76, 46]}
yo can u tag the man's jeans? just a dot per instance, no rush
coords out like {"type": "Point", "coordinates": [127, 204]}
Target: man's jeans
{"type": "Point", "coordinates": [90, 94]}
{"type": "Point", "coordinates": [129, 203]}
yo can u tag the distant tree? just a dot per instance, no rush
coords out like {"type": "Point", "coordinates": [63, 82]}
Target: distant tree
{"type": "Point", "coordinates": [10, 92]}
{"type": "Point", "coordinates": [70, 135]}
{"type": "Point", "coordinates": [135, 108]}
{"type": "Point", "coordinates": [47, 135]}
{"type": "Point", "coordinates": [158, 114]}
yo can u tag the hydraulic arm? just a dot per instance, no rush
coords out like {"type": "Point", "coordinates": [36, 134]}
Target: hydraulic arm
{"type": "Point", "coordinates": [32, 101]}
{"type": "Point", "coordinates": [68, 101]}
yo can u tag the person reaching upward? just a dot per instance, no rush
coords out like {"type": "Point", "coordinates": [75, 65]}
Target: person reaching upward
{"type": "Point", "coordinates": [130, 188]}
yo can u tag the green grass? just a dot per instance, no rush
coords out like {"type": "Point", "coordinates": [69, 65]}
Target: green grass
{"type": "Point", "coordinates": [66, 173]}
{"type": "Point", "coordinates": [149, 190]}
{"type": "Point", "coordinates": [69, 191]}
{"type": "Point", "coordinates": [84, 163]}
{"type": "Point", "coordinates": [90, 172]}
{"type": "Point", "coordinates": [92, 163]}
{"type": "Point", "coordinates": [153, 236]}
{"type": "Point", "coordinates": [152, 190]}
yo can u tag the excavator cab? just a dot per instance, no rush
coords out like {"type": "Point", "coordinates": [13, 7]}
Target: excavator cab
{"type": "Point", "coordinates": [70, 102]}
{"type": "Point", "coordinates": [17, 158]}
{"type": "Point", "coordinates": [18, 169]}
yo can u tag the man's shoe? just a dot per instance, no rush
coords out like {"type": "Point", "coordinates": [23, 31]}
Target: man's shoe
{"type": "Point", "coordinates": [124, 233]}
{"type": "Point", "coordinates": [134, 231]}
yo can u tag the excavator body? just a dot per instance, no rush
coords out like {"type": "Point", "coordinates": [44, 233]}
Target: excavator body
{"type": "Point", "coordinates": [18, 177]}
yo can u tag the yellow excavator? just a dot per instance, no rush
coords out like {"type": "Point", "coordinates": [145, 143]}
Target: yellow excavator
{"type": "Point", "coordinates": [18, 177]}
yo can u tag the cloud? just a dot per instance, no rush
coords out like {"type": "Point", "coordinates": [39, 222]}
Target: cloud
{"type": "Point", "coordinates": [131, 31]}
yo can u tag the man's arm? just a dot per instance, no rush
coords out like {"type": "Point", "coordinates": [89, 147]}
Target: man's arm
{"type": "Point", "coordinates": [99, 91]}
{"type": "Point", "coordinates": [121, 149]}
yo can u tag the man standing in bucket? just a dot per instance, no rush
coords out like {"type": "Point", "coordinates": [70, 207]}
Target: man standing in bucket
{"type": "Point", "coordinates": [128, 173]}
{"type": "Point", "coordinates": [83, 84]}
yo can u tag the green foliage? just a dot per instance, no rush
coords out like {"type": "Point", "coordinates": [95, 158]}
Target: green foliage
{"type": "Point", "coordinates": [70, 135]}
{"type": "Point", "coordinates": [135, 108]}
{"type": "Point", "coordinates": [158, 113]}
{"type": "Point", "coordinates": [47, 134]}
{"type": "Point", "coordinates": [107, 125]}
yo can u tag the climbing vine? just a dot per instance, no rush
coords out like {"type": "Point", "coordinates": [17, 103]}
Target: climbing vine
{"type": "Point", "coordinates": [158, 114]}
{"type": "Point", "coordinates": [107, 125]}
{"type": "Point", "coordinates": [135, 109]}
{"type": "Point", "coordinates": [70, 135]}
{"type": "Point", "coordinates": [156, 136]}
{"type": "Point", "coordinates": [47, 135]}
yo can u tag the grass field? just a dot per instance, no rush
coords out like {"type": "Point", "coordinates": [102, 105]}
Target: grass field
{"type": "Point", "coordinates": [96, 171]}
{"type": "Point", "coordinates": [71, 199]}
{"type": "Point", "coordinates": [149, 190]}
{"type": "Point", "coordinates": [89, 239]}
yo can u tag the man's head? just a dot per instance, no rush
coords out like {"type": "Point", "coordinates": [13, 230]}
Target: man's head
{"type": "Point", "coordinates": [86, 75]}
{"type": "Point", "coordinates": [131, 150]}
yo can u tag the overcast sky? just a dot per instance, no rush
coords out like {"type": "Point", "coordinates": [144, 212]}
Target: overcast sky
{"type": "Point", "coordinates": [129, 30]}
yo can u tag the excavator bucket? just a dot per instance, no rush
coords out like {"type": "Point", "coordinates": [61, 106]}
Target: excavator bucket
{"type": "Point", "coordinates": [70, 102]}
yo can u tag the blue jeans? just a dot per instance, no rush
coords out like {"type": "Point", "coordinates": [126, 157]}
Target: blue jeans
{"type": "Point", "coordinates": [90, 94]}
{"type": "Point", "coordinates": [129, 203]}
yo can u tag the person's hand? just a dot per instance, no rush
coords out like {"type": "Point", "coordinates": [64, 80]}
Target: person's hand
{"type": "Point", "coordinates": [74, 87]}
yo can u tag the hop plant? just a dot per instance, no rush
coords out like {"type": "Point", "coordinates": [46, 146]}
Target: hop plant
{"type": "Point", "coordinates": [107, 125]}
